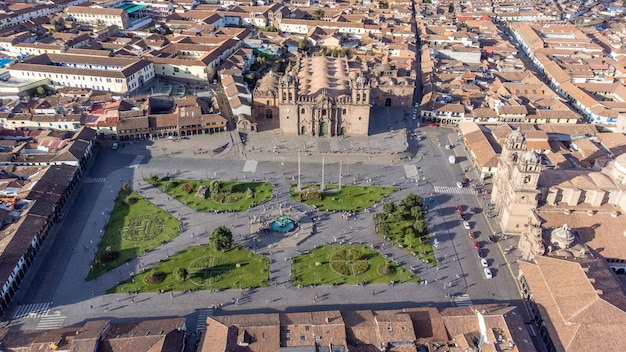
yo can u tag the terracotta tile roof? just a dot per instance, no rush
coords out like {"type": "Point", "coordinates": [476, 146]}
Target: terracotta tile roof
{"type": "Point", "coordinates": [361, 328]}
{"type": "Point", "coordinates": [577, 317]}
{"type": "Point", "coordinates": [601, 232]}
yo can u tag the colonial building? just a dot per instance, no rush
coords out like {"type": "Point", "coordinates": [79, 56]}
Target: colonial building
{"type": "Point", "coordinates": [392, 85]}
{"type": "Point", "coordinates": [515, 184]}
{"type": "Point", "coordinates": [319, 96]}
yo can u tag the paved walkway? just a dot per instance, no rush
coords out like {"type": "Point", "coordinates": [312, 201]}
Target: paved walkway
{"type": "Point", "coordinates": [86, 300]}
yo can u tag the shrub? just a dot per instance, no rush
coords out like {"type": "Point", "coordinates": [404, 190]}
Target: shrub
{"type": "Point", "coordinates": [359, 268]}
{"type": "Point", "coordinates": [219, 197]}
{"type": "Point", "coordinates": [339, 255]}
{"type": "Point", "coordinates": [155, 277]}
{"type": "Point", "coordinates": [187, 188]}
{"type": "Point", "coordinates": [130, 200]}
{"type": "Point", "coordinates": [126, 187]}
{"type": "Point", "coordinates": [171, 184]}
{"type": "Point", "coordinates": [153, 179]}
{"type": "Point", "coordinates": [355, 255]}
{"type": "Point", "coordinates": [340, 268]}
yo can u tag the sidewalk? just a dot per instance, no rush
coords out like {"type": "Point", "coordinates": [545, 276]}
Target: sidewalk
{"type": "Point", "coordinates": [77, 304]}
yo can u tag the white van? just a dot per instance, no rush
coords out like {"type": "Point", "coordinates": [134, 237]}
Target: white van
{"type": "Point", "coordinates": [452, 159]}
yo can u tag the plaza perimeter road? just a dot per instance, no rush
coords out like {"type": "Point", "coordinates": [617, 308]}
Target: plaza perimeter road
{"type": "Point", "coordinates": [57, 279]}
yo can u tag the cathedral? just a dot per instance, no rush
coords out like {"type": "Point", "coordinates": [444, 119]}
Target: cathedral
{"type": "Point", "coordinates": [318, 96]}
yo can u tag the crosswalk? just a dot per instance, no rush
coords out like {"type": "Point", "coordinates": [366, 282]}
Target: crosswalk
{"type": "Point", "coordinates": [33, 310]}
{"type": "Point", "coordinates": [202, 315]}
{"type": "Point", "coordinates": [95, 179]}
{"type": "Point", "coordinates": [410, 171]}
{"type": "Point", "coordinates": [136, 162]}
{"type": "Point", "coordinates": [250, 166]}
{"type": "Point", "coordinates": [454, 190]}
{"type": "Point", "coordinates": [51, 322]}
{"type": "Point", "coordinates": [463, 300]}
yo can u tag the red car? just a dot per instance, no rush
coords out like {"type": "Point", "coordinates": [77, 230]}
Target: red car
{"type": "Point", "coordinates": [472, 235]}
{"type": "Point", "coordinates": [459, 209]}
{"type": "Point", "coordinates": [476, 245]}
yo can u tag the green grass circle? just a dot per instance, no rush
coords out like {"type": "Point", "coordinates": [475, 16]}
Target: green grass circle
{"type": "Point", "coordinates": [142, 228]}
{"type": "Point", "coordinates": [349, 262]}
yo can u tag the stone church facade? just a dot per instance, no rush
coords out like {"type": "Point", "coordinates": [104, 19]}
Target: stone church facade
{"type": "Point", "coordinates": [317, 96]}
{"type": "Point", "coordinates": [515, 192]}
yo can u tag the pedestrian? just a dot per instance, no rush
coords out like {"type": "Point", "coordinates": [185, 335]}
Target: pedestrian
{"type": "Point", "coordinates": [91, 306]}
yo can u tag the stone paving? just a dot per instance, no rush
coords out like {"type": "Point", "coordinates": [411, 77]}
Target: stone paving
{"type": "Point", "coordinates": [86, 300]}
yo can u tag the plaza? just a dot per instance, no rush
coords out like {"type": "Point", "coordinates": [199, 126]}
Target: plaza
{"type": "Point", "coordinates": [456, 279]}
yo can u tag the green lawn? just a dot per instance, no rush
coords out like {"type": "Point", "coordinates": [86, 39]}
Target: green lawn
{"type": "Point", "coordinates": [346, 264]}
{"type": "Point", "coordinates": [349, 198]}
{"type": "Point", "coordinates": [232, 195]}
{"type": "Point", "coordinates": [135, 226]}
{"type": "Point", "coordinates": [404, 225]}
{"type": "Point", "coordinates": [208, 269]}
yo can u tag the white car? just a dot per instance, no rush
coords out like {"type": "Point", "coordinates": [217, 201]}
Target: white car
{"type": "Point", "coordinates": [484, 263]}
{"type": "Point", "coordinates": [459, 184]}
{"type": "Point", "coordinates": [488, 273]}
{"type": "Point", "coordinates": [466, 225]}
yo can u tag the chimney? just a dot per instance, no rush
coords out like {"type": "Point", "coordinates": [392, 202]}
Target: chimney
{"type": "Point", "coordinates": [599, 292]}
{"type": "Point", "coordinates": [327, 320]}
{"type": "Point", "coordinates": [592, 280]}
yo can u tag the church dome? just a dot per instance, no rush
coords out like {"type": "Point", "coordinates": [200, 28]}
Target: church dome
{"type": "Point", "coordinates": [619, 169]}
{"type": "Point", "coordinates": [563, 236]}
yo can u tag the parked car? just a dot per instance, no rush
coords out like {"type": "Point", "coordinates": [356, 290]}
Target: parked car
{"type": "Point", "coordinates": [476, 244]}
{"type": "Point", "coordinates": [466, 225]}
{"type": "Point", "coordinates": [480, 253]}
{"type": "Point", "coordinates": [472, 235]}
{"type": "Point", "coordinates": [488, 274]}
{"type": "Point", "coordinates": [484, 263]}
{"type": "Point", "coordinates": [458, 208]}
{"type": "Point", "coordinates": [114, 146]}
{"type": "Point", "coordinates": [459, 184]}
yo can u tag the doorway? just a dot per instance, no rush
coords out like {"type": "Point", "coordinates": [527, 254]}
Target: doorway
{"type": "Point", "coordinates": [323, 128]}
{"type": "Point", "coordinates": [388, 102]}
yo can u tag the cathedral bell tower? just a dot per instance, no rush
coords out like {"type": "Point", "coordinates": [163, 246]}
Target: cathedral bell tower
{"type": "Point", "coordinates": [515, 191]}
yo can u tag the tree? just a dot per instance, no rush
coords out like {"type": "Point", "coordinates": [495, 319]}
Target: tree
{"type": "Point", "coordinates": [384, 229]}
{"type": "Point", "coordinates": [411, 200]}
{"type": "Point", "coordinates": [221, 238]}
{"type": "Point", "coordinates": [41, 90]}
{"type": "Point", "coordinates": [318, 14]}
{"type": "Point", "coordinates": [389, 208]}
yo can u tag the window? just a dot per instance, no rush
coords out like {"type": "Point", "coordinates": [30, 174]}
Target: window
{"type": "Point", "coordinates": [389, 328]}
{"type": "Point", "coordinates": [307, 328]}
{"type": "Point", "coordinates": [302, 338]}
{"type": "Point", "coordinates": [176, 69]}
{"type": "Point", "coordinates": [302, 111]}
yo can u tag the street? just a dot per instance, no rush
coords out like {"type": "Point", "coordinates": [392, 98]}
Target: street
{"type": "Point", "coordinates": [57, 280]}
